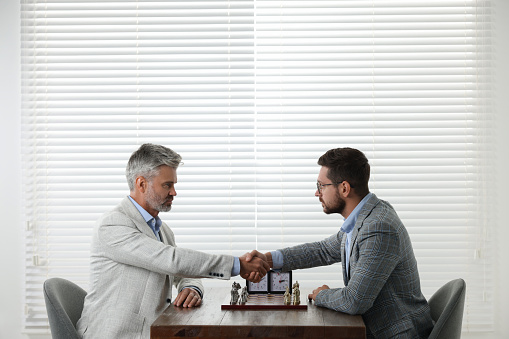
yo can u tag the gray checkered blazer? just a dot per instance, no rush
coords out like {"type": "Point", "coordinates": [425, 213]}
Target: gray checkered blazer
{"type": "Point", "coordinates": [383, 282]}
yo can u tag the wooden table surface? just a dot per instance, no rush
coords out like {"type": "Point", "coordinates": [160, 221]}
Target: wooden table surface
{"type": "Point", "coordinates": [209, 321]}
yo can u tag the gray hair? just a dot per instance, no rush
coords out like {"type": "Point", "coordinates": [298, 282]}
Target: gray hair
{"type": "Point", "coordinates": [146, 161]}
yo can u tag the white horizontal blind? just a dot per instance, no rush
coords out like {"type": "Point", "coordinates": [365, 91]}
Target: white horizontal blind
{"type": "Point", "coordinates": [251, 93]}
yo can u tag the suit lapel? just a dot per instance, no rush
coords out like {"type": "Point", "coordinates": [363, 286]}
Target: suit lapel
{"type": "Point", "coordinates": [365, 211]}
{"type": "Point", "coordinates": [167, 236]}
{"type": "Point", "coordinates": [163, 236]}
{"type": "Point", "coordinates": [343, 259]}
{"type": "Point", "coordinates": [135, 215]}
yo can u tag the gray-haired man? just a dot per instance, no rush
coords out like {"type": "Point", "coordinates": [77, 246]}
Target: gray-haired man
{"type": "Point", "coordinates": [134, 258]}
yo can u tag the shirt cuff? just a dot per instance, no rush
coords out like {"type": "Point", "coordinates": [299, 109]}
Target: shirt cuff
{"type": "Point", "coordinates": [277, 259]}
{"type": "Point", "coordinates": [236, 266]}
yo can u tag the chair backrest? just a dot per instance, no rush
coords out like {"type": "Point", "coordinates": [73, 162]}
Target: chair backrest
{"type": "Point", "coordinates": [64, 304]}
{"type": "Point", "coordinates": [447, 310]}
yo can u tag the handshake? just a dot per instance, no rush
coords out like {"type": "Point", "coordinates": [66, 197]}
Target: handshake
{"type": "Point", "coordinates": [254, 265]}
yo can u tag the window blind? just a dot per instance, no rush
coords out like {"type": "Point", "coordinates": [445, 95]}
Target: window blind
{"type": "Point", "coordinates": [251, 93]}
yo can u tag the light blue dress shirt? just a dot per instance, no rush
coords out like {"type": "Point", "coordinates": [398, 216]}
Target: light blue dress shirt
{"type": "Point", "coordinates": [153, 223]}
{"type": "Point", "coordinates": [347, 227]}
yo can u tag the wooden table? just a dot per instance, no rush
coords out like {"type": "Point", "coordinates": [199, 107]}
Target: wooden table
{"type": "Point", "coordinates": [209, 321]}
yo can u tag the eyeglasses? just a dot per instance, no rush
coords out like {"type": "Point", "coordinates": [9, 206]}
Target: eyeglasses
{"type": "Point", "coordinates": [320, 186]}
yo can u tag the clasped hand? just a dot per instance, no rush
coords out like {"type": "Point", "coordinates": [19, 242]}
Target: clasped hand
{"type": "Point", "coordinates": [254, 276]}
{"type": "Point", "coordinates": [253, 266]}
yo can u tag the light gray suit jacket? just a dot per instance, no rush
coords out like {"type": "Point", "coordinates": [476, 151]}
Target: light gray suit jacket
{"type": "Point", "coordinates": [132, 274]}
{"type": "Point", "coordinates": [382, 283]}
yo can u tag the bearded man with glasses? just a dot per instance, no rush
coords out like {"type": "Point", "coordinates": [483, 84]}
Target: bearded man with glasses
{"type": "Point", "coordinates": [378, 262]}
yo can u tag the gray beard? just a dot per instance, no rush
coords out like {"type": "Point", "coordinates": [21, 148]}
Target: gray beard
{"type": "Point", "coordinates": [153, 203]}
{"type": "Point", "coordinates": [163, 208]}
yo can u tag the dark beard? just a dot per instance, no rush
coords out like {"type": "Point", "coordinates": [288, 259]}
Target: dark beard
{"type": "Point", "coordinates": [338, 207]}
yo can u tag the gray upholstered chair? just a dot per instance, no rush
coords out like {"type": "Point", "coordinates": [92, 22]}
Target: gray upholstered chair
{"type": "Point", "coordinates": [64, 303]}
{"type": "Point", "coordinates": [447, 310]}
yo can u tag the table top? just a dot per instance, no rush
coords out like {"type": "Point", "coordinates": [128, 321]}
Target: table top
{"type": "Point", "coordinates": [209, 321]}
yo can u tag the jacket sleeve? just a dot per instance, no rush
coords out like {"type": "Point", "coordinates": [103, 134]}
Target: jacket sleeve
{"type": "Point", "coordinates": [321, 253]}
{"type": "Point", "coordinates": [376, 257]}
{"type": "Point", "coordinates": [123, 242]}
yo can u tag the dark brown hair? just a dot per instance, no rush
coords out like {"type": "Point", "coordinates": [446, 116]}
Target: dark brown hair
{"type": "Point", "coordinates": [347, 164]}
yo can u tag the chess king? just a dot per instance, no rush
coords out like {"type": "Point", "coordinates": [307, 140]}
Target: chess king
{"type": "Point", "coordinates": [296, 293]}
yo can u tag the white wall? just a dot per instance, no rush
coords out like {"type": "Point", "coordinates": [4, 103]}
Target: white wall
{"type": "Point", "coordinates": [10, 242]}
{"type": "Point", "coordinates": [501, 102]}
{"type": "Point", "coordinates": [10, 195]}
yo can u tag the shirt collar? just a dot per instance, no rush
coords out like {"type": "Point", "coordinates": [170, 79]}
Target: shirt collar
{"type": "Point", "coordinates": [352, 218]}
{"type": "Point", "coordinates": [153, 223]}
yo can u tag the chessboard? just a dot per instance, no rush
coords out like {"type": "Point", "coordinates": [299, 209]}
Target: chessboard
{"type": "Point", "coordinates": [264, 302]}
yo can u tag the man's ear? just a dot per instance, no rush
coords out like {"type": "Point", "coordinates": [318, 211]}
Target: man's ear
{"type": "Point", "coordinates": [345, 190]}
{"type": "Point", "coordinates": [141, 184]}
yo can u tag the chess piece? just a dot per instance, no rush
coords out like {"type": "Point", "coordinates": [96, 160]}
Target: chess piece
{"type": "Point", "coordinates": [234, 293]}
{"type": "Point", "coordinates": [243, 296]}
{"type": "Point", "coordinates": [287, 297]}
{"type": "Point", "coordinates": [296, 293]}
